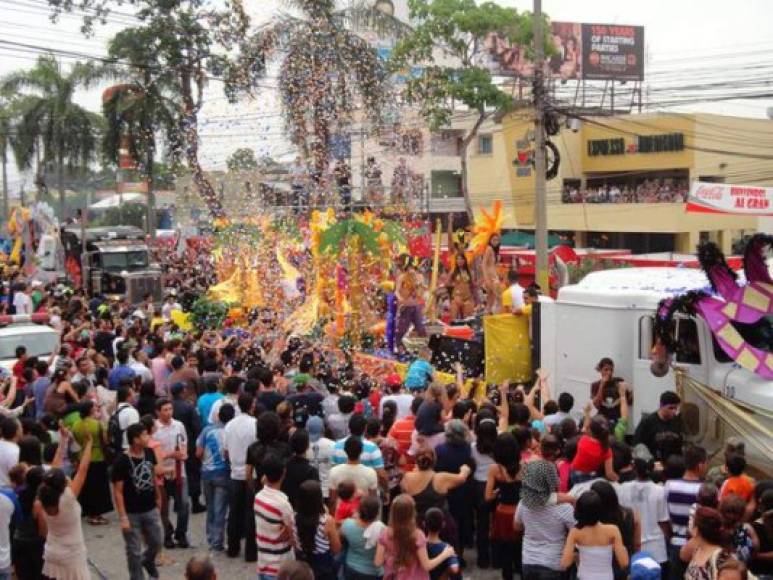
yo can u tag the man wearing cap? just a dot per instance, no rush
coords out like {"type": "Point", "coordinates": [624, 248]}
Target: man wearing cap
{"type": "Point", "coordinates": [320, 452]}
{"type": "Point", "coordinates": [402, 399]}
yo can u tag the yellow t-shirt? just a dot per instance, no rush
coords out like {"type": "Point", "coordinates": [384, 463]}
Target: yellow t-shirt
{"type": "Point", "coordinates": [512, 296]}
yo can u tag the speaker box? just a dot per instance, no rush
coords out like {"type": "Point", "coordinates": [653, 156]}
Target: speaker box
{"type": "Point", "coordinates": [447, 351]}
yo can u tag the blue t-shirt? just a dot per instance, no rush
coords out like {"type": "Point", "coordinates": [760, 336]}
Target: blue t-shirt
{"type": "Point", "coordinates": [213, 463]}
{"type": "Point", "coordinates": [204, 406]}
{"type": "Point", "coordinates": [433, 551]}
{"type": "Point", "coordinates": [39, 390]}
{"type": "Point", "coordinates": [358, 558]}
{"type": "Point", "coordinates": [118, 374]}
{"type": "Point", "coordinates": [371, 454]}
{"type": "Point", "coordinates": [419, 374]}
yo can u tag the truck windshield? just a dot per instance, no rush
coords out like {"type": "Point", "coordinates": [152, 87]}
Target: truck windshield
{"type": "Point", "coordinates": [38, 344]}
{"type": "Point", "coordinates": [758, 335]}
{"type": "Point", "coordinates": [125, 260]}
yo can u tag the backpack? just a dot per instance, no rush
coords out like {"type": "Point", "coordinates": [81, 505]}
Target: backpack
{"type": "Point", "coordinates": [114, 446]}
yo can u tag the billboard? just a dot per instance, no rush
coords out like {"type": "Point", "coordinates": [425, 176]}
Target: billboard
{"type": "Point", "coordinates": [581, 51]}
{"type": "Point", "coordinates": [723, 198]}
{"type": "Point", "coordinates": [612, 51]}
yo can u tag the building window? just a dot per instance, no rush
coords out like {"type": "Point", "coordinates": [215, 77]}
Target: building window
{"type": "Point", "coordinates": [485, 145]}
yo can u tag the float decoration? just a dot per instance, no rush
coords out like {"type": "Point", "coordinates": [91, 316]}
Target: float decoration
{"type": "Point", "coordinates": [745, 304]}
{"type": "Point", "coordinates": [486, 226]}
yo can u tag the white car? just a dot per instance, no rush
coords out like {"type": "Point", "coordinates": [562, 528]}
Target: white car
{"type": "Point", "coordinates": [30, 331]}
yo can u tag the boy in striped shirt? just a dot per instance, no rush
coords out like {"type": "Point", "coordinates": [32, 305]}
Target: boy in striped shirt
{"type": "Point", "coordinates": [273, 521]}
{"type": "Point", "coordinates": [681, 494]}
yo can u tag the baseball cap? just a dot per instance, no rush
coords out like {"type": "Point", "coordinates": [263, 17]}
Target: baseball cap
{"type": "Point", "coordinates": [393, 380]}
{"type": "Point", "coordinates": [315, 427]}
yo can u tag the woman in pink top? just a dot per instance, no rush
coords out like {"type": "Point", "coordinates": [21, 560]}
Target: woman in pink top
{"type": "Point", "coordinates": [402, 547]}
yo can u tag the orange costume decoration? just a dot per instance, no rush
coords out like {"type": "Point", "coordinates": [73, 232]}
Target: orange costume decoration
{"type": "Point", "coordinates": [485, 244]}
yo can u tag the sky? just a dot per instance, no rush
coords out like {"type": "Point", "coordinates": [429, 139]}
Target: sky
{"type": "Point", "coordinates": [702, 39]}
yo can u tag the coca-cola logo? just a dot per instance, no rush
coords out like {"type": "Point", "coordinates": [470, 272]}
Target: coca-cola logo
{"type": "Point", "coordinates": [709, 192]}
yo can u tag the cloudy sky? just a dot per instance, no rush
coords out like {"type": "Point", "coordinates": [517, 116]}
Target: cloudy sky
{"type": "Point", "coordinates": [700, 40]}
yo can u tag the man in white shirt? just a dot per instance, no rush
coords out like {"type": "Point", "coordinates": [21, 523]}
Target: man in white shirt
{"type": "Point", "coordinates": [173, 442]}
{"type": "Point", "coordinates": [232, 387]}
{"type": "Point", "coordinates": [649, 500]}
{"type": "Point", "coordinates": [320, 452]}
{"type": "Point", "coordinates": [364, 478]}
{"type": "Point", "coordinates": [127, 414]}
{"type": "Point", "coordinates": [565, 404]}
{"type": "Point", "coordinates": [10, 432]}
{"type": "Point", "coordinates": [240, 433]}
{"type": "Point", "coordinates": [22, 301]}
{"type": "Point", "coordinates": [169, 305]}
{"type": "Point", "coordinates": [402, 399]}
{"type": "Point", "coordinates": [512, 298]}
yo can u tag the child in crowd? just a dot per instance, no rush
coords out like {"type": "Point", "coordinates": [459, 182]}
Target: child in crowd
{"type": "Point", "coordinates": [433, 523]}
{"type": "Point", "coordinates": [737, 483]}
{"type": "Point", "coordinates": [348, 501]}
{"type": "Point", "coordinates": [421, 373]}
{"type": "Point", "coordinates": [733, 510]}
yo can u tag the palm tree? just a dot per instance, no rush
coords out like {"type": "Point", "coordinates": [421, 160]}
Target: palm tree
{"type": "Point", "coordinates": [325, 70]}
{"type": "Point", "coordinates": [47, 121]}
{"type": "Point", "coordinates": [5, 141]}
{"type": "Point", "coordinates": [139, 110]}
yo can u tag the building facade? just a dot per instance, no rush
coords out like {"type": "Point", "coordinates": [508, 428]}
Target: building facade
{"type": "Point", "coordinates": [622, 181]}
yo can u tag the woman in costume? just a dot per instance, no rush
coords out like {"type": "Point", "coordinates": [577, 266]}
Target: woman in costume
{"type": "Point", "coordinates": [490, 275]}
{"type": "Point", "coordinates": [461, 288]}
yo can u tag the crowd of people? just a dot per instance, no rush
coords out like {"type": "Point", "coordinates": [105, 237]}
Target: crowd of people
{"type": "Point", "coordinates": [306, 465]}
{"type": "Point", "coordinates": [662, 190]}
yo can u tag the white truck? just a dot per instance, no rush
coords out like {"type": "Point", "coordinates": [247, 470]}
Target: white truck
{"type": "Point", "coordinates": [30, 331]}
{"type": "Point", "coordinates": [611, 313]}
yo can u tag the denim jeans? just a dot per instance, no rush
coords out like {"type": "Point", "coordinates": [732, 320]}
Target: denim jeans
{"type": "Point", "coordinates": [182, 507]}
{"type": "Point", "coordinates": [143, 526]}
{"type": "Point", "coordinates": [216, 494]}
{"type": "Point", "coordinates": [533, 572]}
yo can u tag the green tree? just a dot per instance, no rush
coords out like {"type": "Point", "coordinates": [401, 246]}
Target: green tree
{"type": "Point", "coordinates": [139, 111]}
{"type": "Point", "coordinates": [457, 29]}
{"type": "Point", "coordinates": [325, 70]}
{"type": "Point", "coordinates": [243, 159]}
{"type": "Point", "coordinates": [49, 124]}
{"type": "Point", "coordinates": [5, 143]}
{"type": "Point", "coordinates": [183, 46]}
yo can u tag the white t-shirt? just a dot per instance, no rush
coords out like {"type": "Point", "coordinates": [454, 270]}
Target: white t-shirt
{"type": "Point", "coordinates": [6, 513]}
{"type": "Point", "coordinates": [649, 499]}
{"type": "Point", "coordinates": [364, 478]}
{"type": "Point", "coordinates": [214, 412]}
{"type": "Point", "coordinates": [516, 296]}
{"type": "Point", "coordinates": [23, 303]}
{"type": "Point", "coordinates": [240, 433]}
{"type": "Point", "coordinates": [141, 370]}
{"type": "Point", "coordinates": [171, 436]}
{"type": "Point", "coordinates": [546, 529]}
{"type": "Point", "coordinates": [403, 402]}
{"type": "Point", "coordinates": [9, 456]}
{"type": "Point", "coordinates": [129, 416]}
{"type": "Point", "coordinates": [320, 455]}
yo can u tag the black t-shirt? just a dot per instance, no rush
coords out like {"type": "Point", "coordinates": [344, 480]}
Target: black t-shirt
{"type": "Point", "coordinates": [298, 470]}
{"type": "Point", "coordinates": [103, 343]}
{"type": "Point", "coordinates": [652, 427]}
{"type": "Point", "coordinates": [305, 405]}
{"type": "Point", "coordinates": [270, 399]}
{"type": "Point", "coordinates": [428, 418]}
{"type": "Point", "coordinates": [139, 481]}
{"type": "Point", "coordinates": [257, 451]}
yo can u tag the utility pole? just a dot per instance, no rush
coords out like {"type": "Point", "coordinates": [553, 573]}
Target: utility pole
{"type": "Point", "coordinates": [540, 201]}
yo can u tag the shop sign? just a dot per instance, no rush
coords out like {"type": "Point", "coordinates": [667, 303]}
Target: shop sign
{"type": "Point", "coordinates": [722, 198]}
{"type": "Point", "coordinates": [666, 143]}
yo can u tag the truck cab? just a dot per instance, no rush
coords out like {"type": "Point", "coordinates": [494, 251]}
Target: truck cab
{"type": "Point", "coordinates": [116, 262]}
{"type": "Point", "coordinates": [611, 313]}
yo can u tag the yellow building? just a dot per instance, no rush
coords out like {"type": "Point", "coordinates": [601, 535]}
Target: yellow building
{"type": "Point", "coordinates": [622, 180]}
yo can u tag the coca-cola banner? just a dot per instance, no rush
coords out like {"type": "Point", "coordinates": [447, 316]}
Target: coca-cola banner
{"type": "Point", "coordinates": [724, 198]}
{"type": "Point", "coordinates": [612, 51]}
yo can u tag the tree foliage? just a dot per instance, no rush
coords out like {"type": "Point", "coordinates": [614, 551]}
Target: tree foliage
{"type": "Point", "coordinates": [325, 71]}
{"type": "Point", "coordinates": [179, 47]}
{"type": "Point", "coordinates": [243, 159]}
{"type": "Point", "coordinates": [47, 122]}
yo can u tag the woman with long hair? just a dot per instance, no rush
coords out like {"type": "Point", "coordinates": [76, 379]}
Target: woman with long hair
{"type": "Point", "coordinates": [503, 487]}
{"type": "Point", "coordinates": [61, 395]}
{"type": "Point", "coordinates": [402, 546]}
{"type": "Point", "coordinates": [490, 275]}
{"type": "Point", "coordinates": [593, 453]}
{"type": "Point", "coordinates": [460, 285]}
{"type": "Point", "coordinates": [316, 534]}
{"type": "Point", "coordinates": [95, 499]}
{"type": "Point", "coordinates": [596, 543]}
{"type": "Point", "coordinates": [64, 554]}
{"type": "Point", "coordinates": [482, 451]}
{"type": "Point", "coordinates": [30, 530]}
{"type": "Point", "coordinates": [707, 550]}
{"type": "Point", "coordinates": [626, 520]}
